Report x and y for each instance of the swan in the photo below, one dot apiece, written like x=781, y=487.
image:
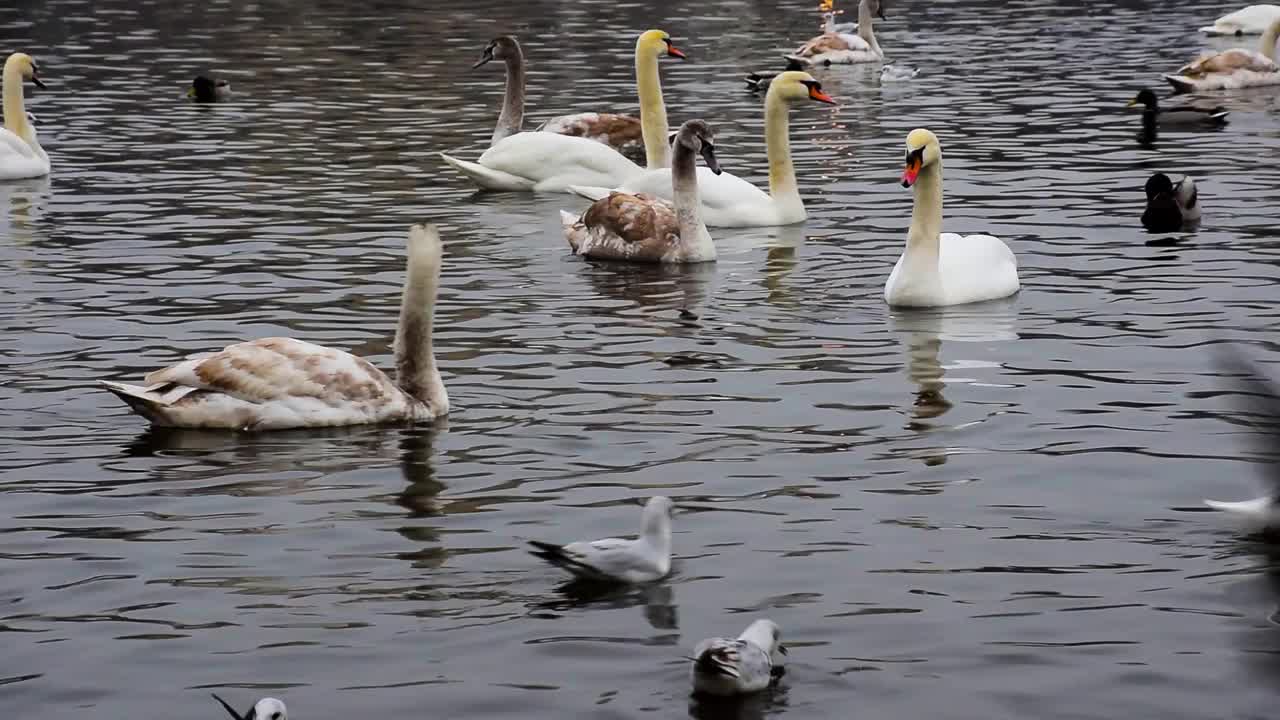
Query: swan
x=730, y=201
x=646, y=228
x=1170, y=205
x=278, y=383
x=837, y=48
x=1232, y=69
x=621, y=132
x=1251, y=20
x=1153, y=115
x=614, y=560
x=205, y=89
x=548, y=162
x=267, y=708
x=20, y=153
x=741, y=665
x=939, y=268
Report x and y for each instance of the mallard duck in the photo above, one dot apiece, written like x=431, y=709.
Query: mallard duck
x=1184, y=116
x=206, y=90
x=759, y=81
x=1170, y=205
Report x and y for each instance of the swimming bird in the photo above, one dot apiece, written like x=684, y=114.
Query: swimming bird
x=644, y=559
x=758, y=81
x=1251, y=20
x=279, y=382
x=206, y=90
x=20, y=153
x=1232, y=69
x=736, y=666
x=265, y=709
x=839, y=48
x=1262, y=410
x=646, y=228
x=1170, y=205
x=1153, y=115
x=938, y=268
x=897, y=73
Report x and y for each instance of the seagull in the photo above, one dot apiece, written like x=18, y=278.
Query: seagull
x=645, y=559
x=1263, y=408
x=897, y=73
x=265, y=709
x=725, y=666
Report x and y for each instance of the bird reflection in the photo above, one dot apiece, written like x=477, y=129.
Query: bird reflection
x=781, y=260
x=421, y=488
x=746, y=707
x=656, y=599
x=22, y=204
x=682, y=288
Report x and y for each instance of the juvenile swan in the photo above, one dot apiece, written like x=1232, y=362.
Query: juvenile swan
x=278, y=383
x=1232, y=69
x=20, y=153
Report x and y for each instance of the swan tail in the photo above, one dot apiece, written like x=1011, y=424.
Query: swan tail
x=1180, y=84
x=488, y=178
x=145, y=401
x=574, y=231
x=589, y=192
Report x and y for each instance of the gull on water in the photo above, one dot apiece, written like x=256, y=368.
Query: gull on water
x=1262, y=406
x=747, y=664
x=897, y=73
x=645, y=559
x=265, y=709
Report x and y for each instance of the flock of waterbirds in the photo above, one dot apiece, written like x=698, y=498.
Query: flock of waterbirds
x=655, y=213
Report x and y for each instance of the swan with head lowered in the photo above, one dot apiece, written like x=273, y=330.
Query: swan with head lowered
x=646, y=228
x=279, y=383
x=623, y=133
x=727, y=200
x=20, y=153
x=843, y=48
x=940, y=268
x=551, y=161
x=1232, y=69
x=1250, y=20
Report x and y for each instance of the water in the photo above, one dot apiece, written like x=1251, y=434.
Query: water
x=963, y=514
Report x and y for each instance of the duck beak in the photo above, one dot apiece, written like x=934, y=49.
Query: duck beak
x=912, y=170
x=1131, y=103
x=191, y=93
x=815, y=93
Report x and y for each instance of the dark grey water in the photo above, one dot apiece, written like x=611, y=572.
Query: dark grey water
x=961, y=514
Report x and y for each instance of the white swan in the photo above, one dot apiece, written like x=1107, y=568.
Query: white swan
x=646, y=228
x=944, y=268
x=20, y=153
x=1251, y=20
x=736, y=666
x=1232, y=69
x=729, y=201
x=645, y=559
x=279, y=382
x=548, y=162
x=839, y=48
x=267, y=708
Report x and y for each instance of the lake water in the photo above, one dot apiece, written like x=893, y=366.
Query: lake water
x=973, y=513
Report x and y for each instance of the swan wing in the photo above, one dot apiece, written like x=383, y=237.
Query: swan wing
x=1228, y=61
x=13, y=145
x=553, y=162
x=974, y=268
x=616, y=131
x=19, y=159
x=726, y=200
x=626, y=226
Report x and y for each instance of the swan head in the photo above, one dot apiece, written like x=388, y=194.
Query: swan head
x=658, y=512
x=795, y=85
x=25, y=66
x=658, y=43
x=700, y=138
x=1146, y=98
x=206, y=89
x=503, y=47
x=923, y=150
x=876, y=7
x=265, y=709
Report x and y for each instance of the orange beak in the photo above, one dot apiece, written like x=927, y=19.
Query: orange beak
x=911, y=171
x=816, y=94
x=674, y=51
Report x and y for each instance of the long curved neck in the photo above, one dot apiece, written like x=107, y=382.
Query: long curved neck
x=865, y=26
x=511, y=119
x=777, y=139
x=684, y=188
x=1267, y=45
x=416, y=371
x=926, y=214
x=653, y=111
x=15, y=113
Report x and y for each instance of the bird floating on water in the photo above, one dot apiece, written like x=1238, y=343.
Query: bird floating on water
x=644, y=559
x=1170, y=206
x=1262, y=406
x=1184, y=116
x=897, y=73
x=737, y=666
x=1251, y=20
x=267, y=708
x=205, y=89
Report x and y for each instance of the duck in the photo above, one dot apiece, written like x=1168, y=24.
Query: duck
x=1250, y=20
x=20, y=153
x=936, y=268
x=838, y=48
x=1261, y=409
x=1232, y=69
x=729, y=201
x=1185, y=116
x=1170, y=205
x=551, y=162
x=640, y=227
x=281, y=383
x=897, y=73
x=205, y=89
x=759, y=81
x=268, y=708
x=739, y=666
x=615, y=560
x=621, y=132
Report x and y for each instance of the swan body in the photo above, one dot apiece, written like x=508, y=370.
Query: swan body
x=267, y=708
x=620, y=132
x=937, y=268
x=279, y=383
x=20, y=153
x=729, y=201
x=1251, y=20
x=644, y=559
x=1170, y=205
x=1232, y=69
x=741, y=665
x=841, y=48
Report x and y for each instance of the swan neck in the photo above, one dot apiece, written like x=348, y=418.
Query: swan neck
x=653, y=111
x=926, y=212
x=865, y=24
x=15, y=112
x=684, y=192
x=1268, y=43
x=511, y=119
x=416, y=371
x=777, y=138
